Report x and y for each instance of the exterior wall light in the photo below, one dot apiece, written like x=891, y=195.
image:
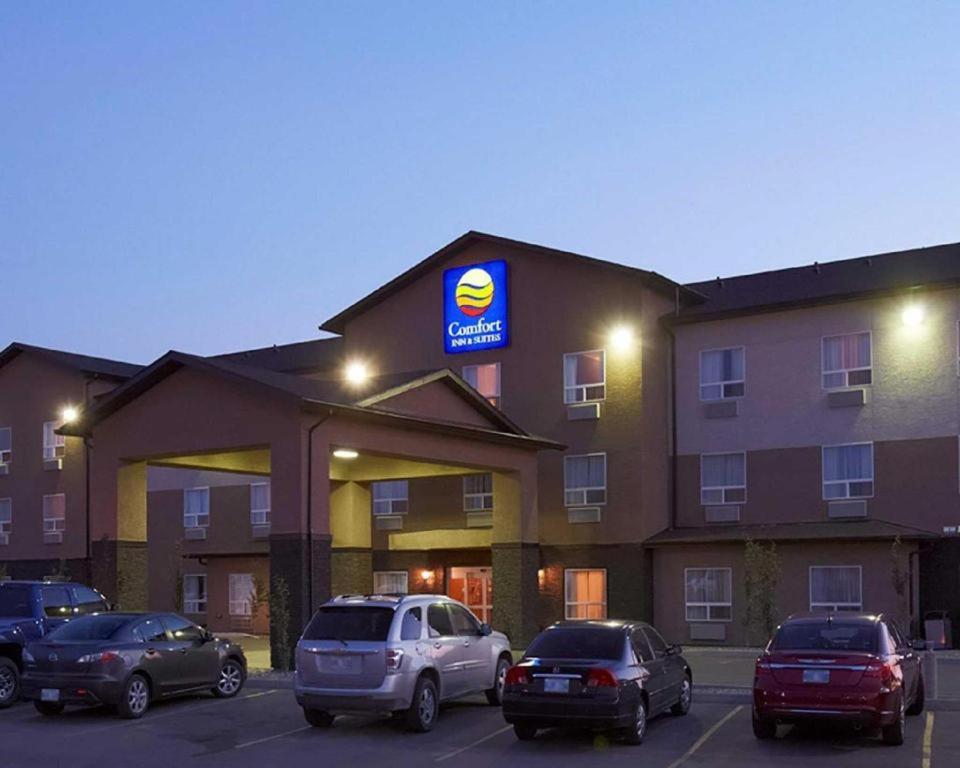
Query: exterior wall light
x=356, y=373
x=345, y=453
x=913, y=315
x=621, y=338
x=541, y=578
x=426, y=575
x=69, y=414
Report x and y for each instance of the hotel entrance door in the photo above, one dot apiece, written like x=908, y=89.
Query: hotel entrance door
x=474, y=588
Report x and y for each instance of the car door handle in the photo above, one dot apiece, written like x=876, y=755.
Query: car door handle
x=183, y=650
x=466, y=643
x=438, y=646
x=151, y=652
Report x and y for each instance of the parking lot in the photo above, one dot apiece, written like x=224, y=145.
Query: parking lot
x=264, y=727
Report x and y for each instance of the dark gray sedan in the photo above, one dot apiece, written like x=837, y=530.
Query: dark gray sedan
x=601, y=675
x=127, y=660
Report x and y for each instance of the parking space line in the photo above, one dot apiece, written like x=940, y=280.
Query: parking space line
x=703, y=739
x=473, y=744
x=272, y=738
x=927, y=741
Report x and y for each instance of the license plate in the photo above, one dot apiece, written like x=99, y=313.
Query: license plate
x=49, y=694
x=820, y=676
x=553, y=685
x=340, y=665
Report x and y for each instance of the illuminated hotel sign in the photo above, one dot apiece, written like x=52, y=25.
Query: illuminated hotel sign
x=475, y=307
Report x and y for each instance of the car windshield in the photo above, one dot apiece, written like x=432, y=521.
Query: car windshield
x=826, y=636
x=354, y=622
x=90, y=628
x=15, y=601
x=577, y=643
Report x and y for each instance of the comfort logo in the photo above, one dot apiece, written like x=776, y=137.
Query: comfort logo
x=474, y=292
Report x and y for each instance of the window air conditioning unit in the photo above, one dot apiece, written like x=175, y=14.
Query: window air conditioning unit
x=583, y=515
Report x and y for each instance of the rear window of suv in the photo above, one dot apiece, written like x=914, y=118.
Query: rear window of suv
x=826, y=636
x=577, y=643
x=15, y=601
x=356, y=622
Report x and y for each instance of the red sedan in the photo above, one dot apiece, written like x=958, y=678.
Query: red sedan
x=838, y=666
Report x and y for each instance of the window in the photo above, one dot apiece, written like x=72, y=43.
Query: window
x=88, y=601
x=6, y=445
x=847, y=361
x=54, y=445
x=584, y=377
x=195, y=593
x=485, y=379
x=182, y=630
x=347, y=623
x=150, y=631
x=708, y=594
x=390, y=497
x=6, y=520
x=56, y=602
x=55, y=513
x=464, y=623
x=640, y=646
x=196, y=507
x=585, y=479
x=836, y=588
x=438, y=620
x=478, y=493
x=586, y=593
x=412, y=625
x=657, y=643
x=241, y=594
x=848, y=471
x=722, y=374
x=390, y=582
x=723, y=478
x=260, y=504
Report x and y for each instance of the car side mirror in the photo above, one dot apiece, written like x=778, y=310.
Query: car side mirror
x=918, y=645
x=674, y=650
x=113, y=606
x=485, y=629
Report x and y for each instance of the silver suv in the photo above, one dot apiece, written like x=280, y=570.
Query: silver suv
x=397, y=654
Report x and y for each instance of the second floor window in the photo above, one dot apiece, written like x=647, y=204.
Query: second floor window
x=722, y=374
x=848, y=471
x=585, y=479
x=485, y=379
x=847, y=361
x=196, y=507
x=6, y=520
x=54, y=445
x=54, y=513
x=6, y=445
x=390, y=497
x=260, y=504
x=723, y=478
x=478, y=493
x=195, y=593
x=584, y=377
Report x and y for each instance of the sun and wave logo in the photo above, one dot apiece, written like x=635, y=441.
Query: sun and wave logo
x=474, y=292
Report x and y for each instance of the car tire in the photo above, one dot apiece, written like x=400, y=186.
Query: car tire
x=230, y=681
x=525, y=732
x=634, y=734
x=764, y=729
x=893, y=734
x=425, y=706
x=135, y=698
x=9, y=682
x=495, y=694
x=917, y=707
x=686, y=697
x=48, y=708
x=318, y=718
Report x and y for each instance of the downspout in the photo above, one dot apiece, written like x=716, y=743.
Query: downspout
x=310, y=510
x=674, y=458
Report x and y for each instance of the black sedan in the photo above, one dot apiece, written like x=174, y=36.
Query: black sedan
x=127, y=660
x=601, y=675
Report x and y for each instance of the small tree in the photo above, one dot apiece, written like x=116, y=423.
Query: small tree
x=62, y=573
x=259, y=596
x=178, y=591
x=762, y=576
x=899, y=577
x=4, y=574
x=280, y=623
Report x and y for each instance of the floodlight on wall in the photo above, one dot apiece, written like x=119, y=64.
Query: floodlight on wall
x=69, y=414
x=913, y=315
x=621, y=338
x=356, y=372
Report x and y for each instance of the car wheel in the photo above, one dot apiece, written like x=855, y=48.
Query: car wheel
x=525, y=732
x=9, y=682
x=230, y=681
x=917, y=707
x=635, y=733
x=48, y=708
x=135, y=698
x=318, y=718
x=495, y=694
x=686, y=697
x=893, y=734
x=764, y=729
x=425, y=707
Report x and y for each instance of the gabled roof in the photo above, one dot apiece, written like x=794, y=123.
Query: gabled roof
x=95, y=366
x=337, y=323
x=846, y=280
x=299, y=357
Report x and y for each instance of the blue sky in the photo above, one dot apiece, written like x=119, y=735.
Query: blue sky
x=213, y=176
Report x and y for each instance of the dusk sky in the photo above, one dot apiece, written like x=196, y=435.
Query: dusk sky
x=214, y=176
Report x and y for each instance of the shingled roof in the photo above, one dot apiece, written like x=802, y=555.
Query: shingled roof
x=302, y=357
x=95, y=366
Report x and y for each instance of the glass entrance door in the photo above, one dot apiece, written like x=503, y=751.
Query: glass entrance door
x=474, y=588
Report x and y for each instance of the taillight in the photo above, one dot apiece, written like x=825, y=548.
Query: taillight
x=104, y=657
x=517, y=676
x=394, y=659
x=601, y=678
x=762, y=668
x=886, y=671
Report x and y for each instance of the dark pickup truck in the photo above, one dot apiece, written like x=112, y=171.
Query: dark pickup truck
x=30, y=609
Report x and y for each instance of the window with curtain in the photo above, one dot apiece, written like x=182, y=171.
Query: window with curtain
x=585, y=593
x=390, y=582
x=584, y=377
x=485, y=379
x=390, y=497
x=836, y=588
x=241, y=594
x=196, y=507
x=478, y=493
x=54, y=513
x=847, y=361
x=6, y=520
x=54, y=445
x=709, y=594
x=585, y=479
x=194, y=593
x=6, y=445
x=848, y=471
x=260, y=504
x=722, y=374
x=723, y=478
